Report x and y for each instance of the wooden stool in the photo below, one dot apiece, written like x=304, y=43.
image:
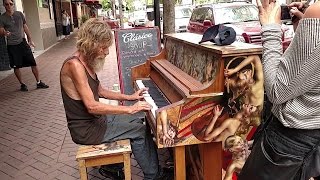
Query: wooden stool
x=103, y=154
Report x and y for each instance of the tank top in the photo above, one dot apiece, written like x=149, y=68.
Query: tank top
x=85, y=128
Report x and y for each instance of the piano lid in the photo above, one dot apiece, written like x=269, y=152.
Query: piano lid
x=229, y=50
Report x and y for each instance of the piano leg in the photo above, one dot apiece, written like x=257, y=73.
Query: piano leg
x=212, y=160
x=179, y=163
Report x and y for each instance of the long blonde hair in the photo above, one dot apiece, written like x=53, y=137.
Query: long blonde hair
x=91, y=35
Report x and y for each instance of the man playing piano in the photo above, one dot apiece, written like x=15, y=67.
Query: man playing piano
x=91, y=122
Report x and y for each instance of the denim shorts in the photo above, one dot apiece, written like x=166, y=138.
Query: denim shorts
x=283, y=153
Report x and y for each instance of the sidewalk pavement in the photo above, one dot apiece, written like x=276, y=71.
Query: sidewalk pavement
x=34, y=139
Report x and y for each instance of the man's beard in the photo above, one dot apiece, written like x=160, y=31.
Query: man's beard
x=97, y=63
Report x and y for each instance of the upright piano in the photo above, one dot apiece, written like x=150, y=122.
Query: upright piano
x=186, y=80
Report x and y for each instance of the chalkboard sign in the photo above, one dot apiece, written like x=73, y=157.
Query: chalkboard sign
x=134, y=46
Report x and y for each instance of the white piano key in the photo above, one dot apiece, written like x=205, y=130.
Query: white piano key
x=153, y=110
x=140, y=84
x=148, y=98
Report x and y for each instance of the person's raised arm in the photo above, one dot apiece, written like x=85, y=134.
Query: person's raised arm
x=313, y=11
x=217, y=112
x=250, y=59
x=286, y=77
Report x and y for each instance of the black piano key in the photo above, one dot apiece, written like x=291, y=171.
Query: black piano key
x=157, y=96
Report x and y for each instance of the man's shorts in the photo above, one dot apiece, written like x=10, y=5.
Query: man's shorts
x=21, y=55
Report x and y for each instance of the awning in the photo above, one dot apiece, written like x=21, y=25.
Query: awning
x=93, y=3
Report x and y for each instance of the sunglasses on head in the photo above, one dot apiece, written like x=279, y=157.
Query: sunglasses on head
x=7, y=4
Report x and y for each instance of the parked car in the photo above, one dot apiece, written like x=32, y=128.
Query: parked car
x=182, y=16
x=139, y=18
x=241, y=16
x=113, y=23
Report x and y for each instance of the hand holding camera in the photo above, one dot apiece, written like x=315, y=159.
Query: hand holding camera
x=269, y=11
x=295, y=10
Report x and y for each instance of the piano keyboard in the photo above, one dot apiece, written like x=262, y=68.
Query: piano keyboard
x=154, y=96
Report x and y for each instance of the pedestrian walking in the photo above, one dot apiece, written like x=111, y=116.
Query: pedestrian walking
x=13, y=26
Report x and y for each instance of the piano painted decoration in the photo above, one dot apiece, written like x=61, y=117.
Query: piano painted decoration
x=244, y=83
x=192, y=109
x=134, y=46
x=239, y=148
x=187, y=122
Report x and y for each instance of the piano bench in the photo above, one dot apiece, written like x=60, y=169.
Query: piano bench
x=104, y=154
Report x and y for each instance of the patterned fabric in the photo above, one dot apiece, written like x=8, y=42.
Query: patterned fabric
x=292, y=79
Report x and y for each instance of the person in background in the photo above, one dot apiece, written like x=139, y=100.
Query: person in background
x=13, y=26
x=65, y=24
x=91, y=122
x=289, y=146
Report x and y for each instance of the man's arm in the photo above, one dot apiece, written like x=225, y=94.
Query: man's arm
x=26, y=30
x=80, y=81
x=113, y=95
x=118, y=96
x=3, y=31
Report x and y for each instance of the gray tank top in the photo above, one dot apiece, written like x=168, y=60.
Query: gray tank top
x=85, y=128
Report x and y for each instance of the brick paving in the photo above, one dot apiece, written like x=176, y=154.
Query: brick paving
x=34, y=140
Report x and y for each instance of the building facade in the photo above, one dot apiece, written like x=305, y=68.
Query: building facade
x=44, y=20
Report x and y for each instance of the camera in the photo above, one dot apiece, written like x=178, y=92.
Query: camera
x=285, y=12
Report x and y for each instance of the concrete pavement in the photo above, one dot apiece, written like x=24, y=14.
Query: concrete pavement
x=34, y=139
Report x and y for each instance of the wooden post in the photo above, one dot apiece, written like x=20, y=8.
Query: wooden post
x=127, y=166
x=211, y=156
x=83, y=170
x=179, y=163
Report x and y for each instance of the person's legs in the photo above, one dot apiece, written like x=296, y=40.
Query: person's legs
x=35, y=72
x=29, y=60
x=143, y=147
x=281, y=154
x=16, y=58
x=17, y=72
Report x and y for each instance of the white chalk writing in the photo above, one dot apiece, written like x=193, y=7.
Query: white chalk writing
x=129, y=37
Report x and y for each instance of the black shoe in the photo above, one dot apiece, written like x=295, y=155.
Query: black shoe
x=42, y=85
x=23, y=87
x=112, y=173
